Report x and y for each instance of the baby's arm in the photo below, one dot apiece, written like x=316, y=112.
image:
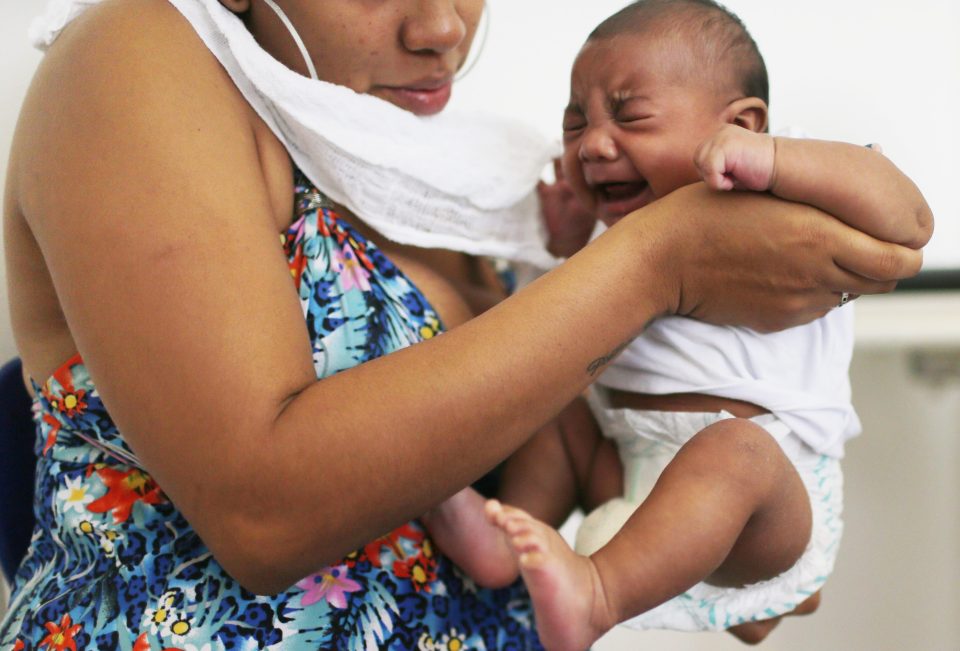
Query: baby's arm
x=857, y=184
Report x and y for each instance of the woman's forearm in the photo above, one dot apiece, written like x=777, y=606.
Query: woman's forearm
x=361, y=452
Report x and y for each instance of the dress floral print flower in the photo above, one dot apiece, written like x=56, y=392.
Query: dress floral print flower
x=114, y=565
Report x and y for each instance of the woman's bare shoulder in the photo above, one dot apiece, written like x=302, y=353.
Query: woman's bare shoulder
x=140, y=44
x=130, y=124
x=130, y=78
x=140, y=30
x=134, y=59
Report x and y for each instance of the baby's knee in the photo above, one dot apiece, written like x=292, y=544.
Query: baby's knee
x=740, y=432
x=744, y=453
x=738, y=440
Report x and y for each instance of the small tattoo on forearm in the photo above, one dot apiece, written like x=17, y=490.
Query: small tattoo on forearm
x=597, y=364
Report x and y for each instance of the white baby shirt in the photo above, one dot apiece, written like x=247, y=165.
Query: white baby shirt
x=799, y=374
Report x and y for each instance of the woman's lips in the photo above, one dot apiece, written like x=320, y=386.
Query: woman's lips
x=421, y=99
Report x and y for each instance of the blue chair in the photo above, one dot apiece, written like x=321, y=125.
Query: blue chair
x=17, y=468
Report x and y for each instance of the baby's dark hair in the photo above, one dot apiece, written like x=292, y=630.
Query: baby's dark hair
x=720, y=35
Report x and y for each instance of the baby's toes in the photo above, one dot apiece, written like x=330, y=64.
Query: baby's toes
x=534, y=561
x=513, y=513
x=526, y=542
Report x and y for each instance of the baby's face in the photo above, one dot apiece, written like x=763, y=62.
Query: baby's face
x=634, y=122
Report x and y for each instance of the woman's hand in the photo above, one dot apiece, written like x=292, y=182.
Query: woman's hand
x=749, y=259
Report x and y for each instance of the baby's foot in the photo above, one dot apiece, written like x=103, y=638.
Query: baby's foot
x=568, y=596
x=462, y=531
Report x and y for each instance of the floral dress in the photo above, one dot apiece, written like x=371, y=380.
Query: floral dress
x=114, y=565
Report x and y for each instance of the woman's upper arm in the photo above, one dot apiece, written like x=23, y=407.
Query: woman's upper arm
x=140, y=178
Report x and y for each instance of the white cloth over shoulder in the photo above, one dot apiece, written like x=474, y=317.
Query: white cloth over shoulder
x=457, y=181
x=799, y=374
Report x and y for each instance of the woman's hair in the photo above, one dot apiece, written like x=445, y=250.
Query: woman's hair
x=719, y=37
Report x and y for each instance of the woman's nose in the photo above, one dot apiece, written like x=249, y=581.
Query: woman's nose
x=433, y=25
x=597, y=144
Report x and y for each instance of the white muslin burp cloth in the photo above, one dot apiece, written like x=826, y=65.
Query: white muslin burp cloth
x=457, y=180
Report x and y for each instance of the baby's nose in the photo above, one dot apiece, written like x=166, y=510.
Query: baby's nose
x=598, y=144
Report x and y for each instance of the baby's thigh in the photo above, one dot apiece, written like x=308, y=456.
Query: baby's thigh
x=605, y=478
x=776, y=503
x=592, y=456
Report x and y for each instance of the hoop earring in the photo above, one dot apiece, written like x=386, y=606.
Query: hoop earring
x=296, y=37
x=477, y=50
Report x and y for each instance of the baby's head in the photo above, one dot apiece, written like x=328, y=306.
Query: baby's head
x=651, y=83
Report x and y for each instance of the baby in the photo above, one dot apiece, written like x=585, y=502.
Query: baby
x=719, y=466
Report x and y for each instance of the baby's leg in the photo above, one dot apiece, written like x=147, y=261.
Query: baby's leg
x=757, y=632
x=543, y=477
x=729, y=509
x=460, y=530
x=569, y=463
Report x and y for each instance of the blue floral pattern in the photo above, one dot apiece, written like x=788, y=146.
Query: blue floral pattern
x=114, y=565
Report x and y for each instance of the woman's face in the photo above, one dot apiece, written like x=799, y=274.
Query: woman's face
x=403, y=51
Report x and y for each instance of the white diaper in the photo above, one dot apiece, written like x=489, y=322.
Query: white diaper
x=647, y=441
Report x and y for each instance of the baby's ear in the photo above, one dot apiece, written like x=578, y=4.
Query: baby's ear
x=749, y=113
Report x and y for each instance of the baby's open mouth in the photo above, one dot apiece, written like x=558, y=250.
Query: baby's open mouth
x=621, y=191
x=616, y=199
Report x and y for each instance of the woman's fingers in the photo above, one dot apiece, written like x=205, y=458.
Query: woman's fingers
x=864, y=265
x=877, y=261
x=872, y=265
x=749, y=259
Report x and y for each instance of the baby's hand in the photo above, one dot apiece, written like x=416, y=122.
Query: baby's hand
x=735, y=158
x=569, y=224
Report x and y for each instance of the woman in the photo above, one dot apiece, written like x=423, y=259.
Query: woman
x=141, y=216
